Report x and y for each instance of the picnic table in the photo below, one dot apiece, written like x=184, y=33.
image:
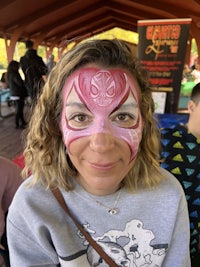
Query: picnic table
x=4, y=94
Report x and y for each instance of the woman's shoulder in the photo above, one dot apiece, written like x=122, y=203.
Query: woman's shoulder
x=31, y=201
x=28, y=186
x=28, y=194
x=170, y=184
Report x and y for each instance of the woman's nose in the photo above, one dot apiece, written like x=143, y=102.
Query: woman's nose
x=101, y=142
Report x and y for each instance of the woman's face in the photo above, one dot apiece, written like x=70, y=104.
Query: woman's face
x=101, y=125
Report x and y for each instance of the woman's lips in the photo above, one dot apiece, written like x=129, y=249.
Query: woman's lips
x=103, y=166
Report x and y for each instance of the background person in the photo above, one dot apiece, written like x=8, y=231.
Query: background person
x=4, y=81
x=93, y=135
x=10, y=179
x=50, y=63
x=180, y=151
x=34, y=69
x=18, y=93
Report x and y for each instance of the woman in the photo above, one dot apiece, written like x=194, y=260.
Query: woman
x=93, y=136
x=18, y=93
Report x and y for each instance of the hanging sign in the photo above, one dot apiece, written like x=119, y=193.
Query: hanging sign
x=161, y=50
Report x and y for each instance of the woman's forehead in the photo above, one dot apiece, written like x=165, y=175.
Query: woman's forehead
x=101, y=85
x=73, y=100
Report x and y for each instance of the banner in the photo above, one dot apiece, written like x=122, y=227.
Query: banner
x=161, y=50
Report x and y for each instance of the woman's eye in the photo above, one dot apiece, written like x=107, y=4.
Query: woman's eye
x=79, y=118
x=123, y=117
x=79, y=121
x=124, y=120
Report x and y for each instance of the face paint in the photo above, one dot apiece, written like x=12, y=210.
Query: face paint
x=101, y=101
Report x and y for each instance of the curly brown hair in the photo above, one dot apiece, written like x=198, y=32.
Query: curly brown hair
x=45, y=152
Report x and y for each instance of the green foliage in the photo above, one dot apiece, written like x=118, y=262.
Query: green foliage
x=194, y=50
x=20, y=49
x=3, y=55
x=131, y=37
x=20, y=46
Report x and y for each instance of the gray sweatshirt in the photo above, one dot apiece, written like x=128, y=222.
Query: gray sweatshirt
x=150, y=229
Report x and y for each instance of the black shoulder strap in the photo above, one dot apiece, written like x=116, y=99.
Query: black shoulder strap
x=56, y=192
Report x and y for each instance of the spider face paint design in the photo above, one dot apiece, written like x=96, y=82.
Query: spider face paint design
x=101, y=101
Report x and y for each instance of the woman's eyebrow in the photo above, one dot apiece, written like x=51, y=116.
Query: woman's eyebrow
x=76, y=104
x=81, y=106
x=128, y=106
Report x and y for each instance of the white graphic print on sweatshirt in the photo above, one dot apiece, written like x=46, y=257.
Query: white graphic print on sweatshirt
x=130, y=247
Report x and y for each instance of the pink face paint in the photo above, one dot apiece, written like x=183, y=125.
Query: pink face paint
x=101, y=92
